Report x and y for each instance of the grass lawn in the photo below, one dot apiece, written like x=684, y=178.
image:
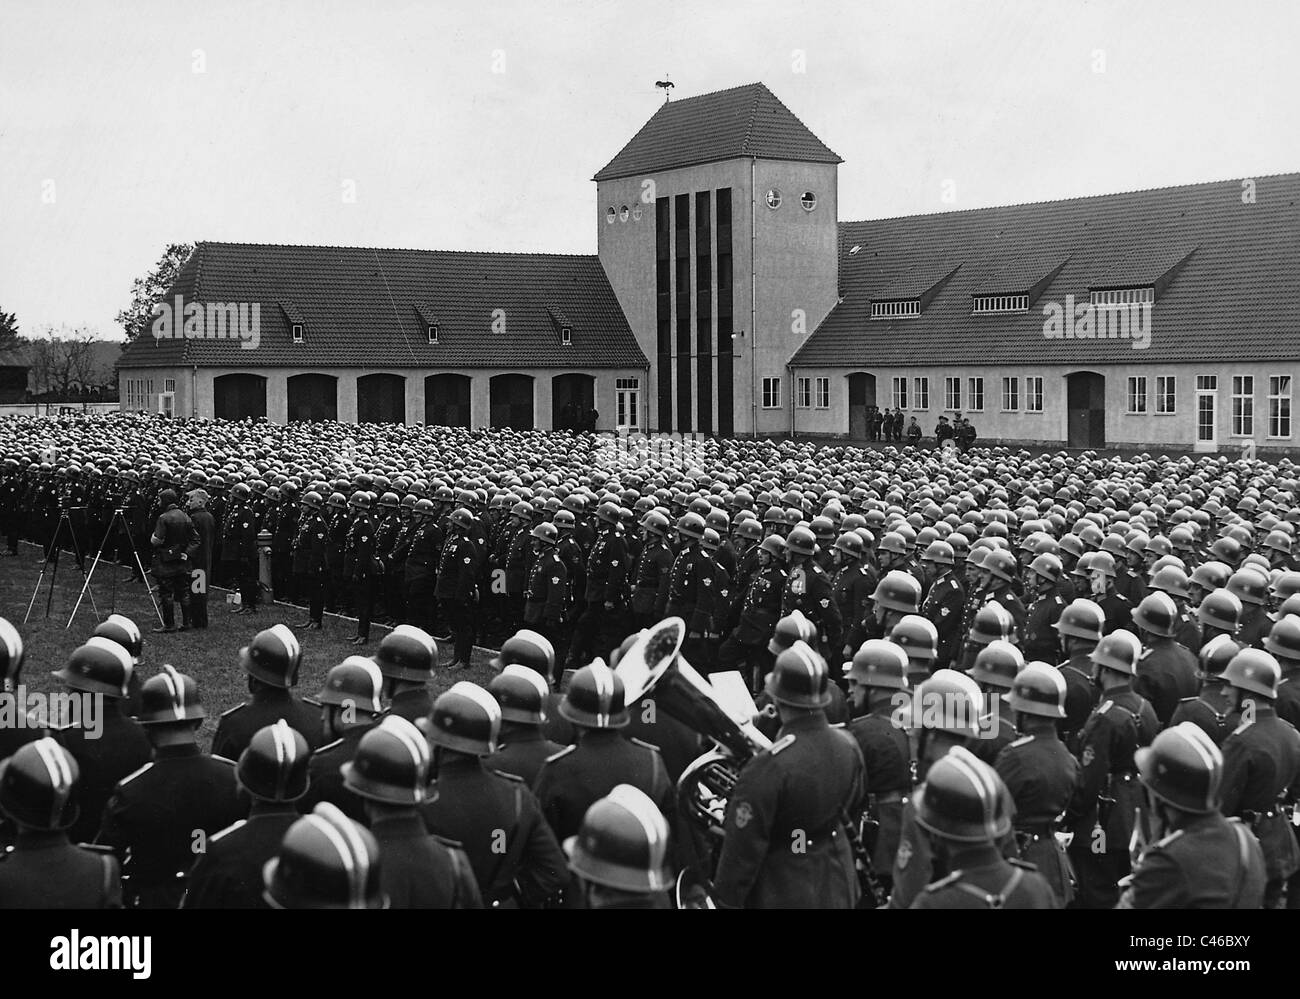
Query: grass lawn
x=210, y=656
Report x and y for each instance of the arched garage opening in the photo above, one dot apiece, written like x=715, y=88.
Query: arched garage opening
x=239, y=396
x=446, y=401
x=313, y=397
x=862, y=395
x=1085, y=393
x=510, y=401
x=573, y=397
x=381, y=398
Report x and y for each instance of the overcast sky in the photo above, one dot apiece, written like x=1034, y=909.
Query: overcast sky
x=478, y=125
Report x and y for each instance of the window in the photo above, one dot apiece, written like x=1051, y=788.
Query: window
x=1137, y=394
x=773, y=198
x=296, y=331
x=900, y=393
x=906, y=309
x=921, y=393
x=169, y=384
x=952, y=393
x=566, y=336
x=1243, y=405
x=1123, y=296
x=772, y=393
x=627, y=393
x=1010, y=395
x=138, y=393
x=433, y=334
x=823, y=397
x=975, y=395
x=1165, y=394
x=1207, y=383
x=808, y=200
x=803, y=393
x=1279, y=405
x=1034, y=394
x=1000, y=303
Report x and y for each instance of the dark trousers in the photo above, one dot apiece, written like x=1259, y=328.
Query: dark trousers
x=337, y=596
x=417, y=595
x=394, y=604
x=1098, y=874
x=311, y=587
x=459, y=616
x=749, y=659
x=249, y=586
x=363, y=601
x=173, y=588
x=282, y=577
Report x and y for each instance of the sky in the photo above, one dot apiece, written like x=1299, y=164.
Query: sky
x=444, y=124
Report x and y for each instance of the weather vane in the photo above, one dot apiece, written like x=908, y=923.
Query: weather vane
x=666, y=85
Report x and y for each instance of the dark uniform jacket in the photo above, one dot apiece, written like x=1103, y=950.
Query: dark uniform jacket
x=808, y=589
x=205, y=528
x=456, y=569
x=887, y=756
x=239, y=724
x=1206, y=710
x=422, y=556
x=175, y=541
x=1123, y=722
x=1081, y=697
x=522, y=751
x=943, y=606
x=497, y=822
x=327, y=781
x=1166, y=673
x=1210, y=863
x=607, y=568
x=987, y=880
x=761, y=608
x=1261, y=763
x=689, y=567
x=785, y=844
x=228, y=874
x=420, y=871
x=45, y=871
x=713, y=600
x=121, y=749
x=652, y=572
x=359, y=550
x=851, y=588
x=413, y=703
x=155, y=812
x=1039, y=642
x=577, y=777
x=311, y=545
x=1041, y=774
x=548, y=589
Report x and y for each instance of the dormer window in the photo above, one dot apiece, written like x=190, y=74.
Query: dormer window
x=433, y=333
x=985, y=304
x=905, y=309
x=296, y=332
x=1115, y=297
x=566, y=336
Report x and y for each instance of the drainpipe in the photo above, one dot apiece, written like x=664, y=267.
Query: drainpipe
x=789, y=377
x=753, y=284
x=194, y=392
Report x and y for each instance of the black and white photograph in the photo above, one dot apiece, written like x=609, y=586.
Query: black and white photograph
x=573, y=455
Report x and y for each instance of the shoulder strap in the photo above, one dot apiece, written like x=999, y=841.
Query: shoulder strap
x=999, y=900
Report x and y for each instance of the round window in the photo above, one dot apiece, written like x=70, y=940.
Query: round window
x=636, y=214
x=774, y=198
x=809, y=201
x=622, y=214
x=609, y=214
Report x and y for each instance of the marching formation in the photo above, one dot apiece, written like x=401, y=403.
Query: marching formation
x=737, y=674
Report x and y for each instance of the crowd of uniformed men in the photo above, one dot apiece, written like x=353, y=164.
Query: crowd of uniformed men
x=991, y=679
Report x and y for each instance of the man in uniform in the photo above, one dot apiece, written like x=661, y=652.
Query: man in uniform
x=339, y=599
x=239, y=548
x=1040, y=773
x=852, y=584
x=808, y=589
x=963, y=808
x=455, y=588
x=547, y=590
x=944, y=600
x=418, y=582
x=1261, y=763
x=1039, y=641
x=327, y=861
x=1197, y=859
x=43, y=870
x=175, y=542
x=522, y=746
x=359, y=564
x=600, y=625
x=1079, y=628
x=1166, y=670
x=406, y=658
x=760, y=609
x=272, y=772
x=205, y=527
x=620, y=854
x=350, y=706
x=271, y=661
x=651, y=571
x=785, y=839
x=156, y=815
x=493, y=816
x=994, y=670
x=309, y=559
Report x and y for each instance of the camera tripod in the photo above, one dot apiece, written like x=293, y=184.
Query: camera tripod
x=118, y=520
x=52, y=556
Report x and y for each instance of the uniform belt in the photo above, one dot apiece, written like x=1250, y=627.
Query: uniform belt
x=1038, y=830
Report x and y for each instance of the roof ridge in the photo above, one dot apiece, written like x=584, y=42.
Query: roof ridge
x=747, y=145
x=402, y=249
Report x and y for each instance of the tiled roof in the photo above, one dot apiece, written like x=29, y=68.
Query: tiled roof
x=727, y=124
x=361, y=307
x=1236, y=296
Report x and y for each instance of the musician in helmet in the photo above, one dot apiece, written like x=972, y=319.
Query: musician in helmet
x=271, y=661
x=620, y=853
x=522, y=746
x=785, y=843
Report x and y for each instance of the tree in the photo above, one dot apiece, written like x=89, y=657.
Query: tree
x=9, y=337
x=145, y=291
x=63, y=362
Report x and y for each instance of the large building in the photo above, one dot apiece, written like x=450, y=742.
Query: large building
x=727, y=298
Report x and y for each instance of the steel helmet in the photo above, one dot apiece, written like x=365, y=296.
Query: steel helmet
x=526, y=648
x=594, y=698
x=893, y=542
x=170, y=697
x=997, y=664
x=1183, y=768
x=1254, y=671
x=774, y=545
x=1250, y=587
x=547, y=534
x=1216, y=654
x=939, y=552
x=948, y=701
x=794, y=627
x=353, y=684
x=326, y=861
x=1157, y=614
x=899, y=591
x=916, y=636
x=312, y=500
x=1283, y=640
x=337, y=501
x=879, y=663
x=963, y=799
x=521, y=693
x=1220, y=609
x=850, y=544
x=1048, y=566
x=273, y=656
x=1211, y=575
x=691, y=525
x=407, y=653
x=656, y=523
x=992, y=622
x=622, y=843
x=461, y=519
x=800, y=541
x=391, y=764
x=608, y=513
x=11, y=655
x=1082, y=618
x=121, y=629
x=465, y=718
x=274, y=765
x=1118, y=651
x=38, y=786
x=800, y=678
x=360, y=500
x=748, y=528
x=1039, y=689
x=1284, y=584
x=423, y=508
x=1171, y=580
x=101, y=666
x=1226, y=550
